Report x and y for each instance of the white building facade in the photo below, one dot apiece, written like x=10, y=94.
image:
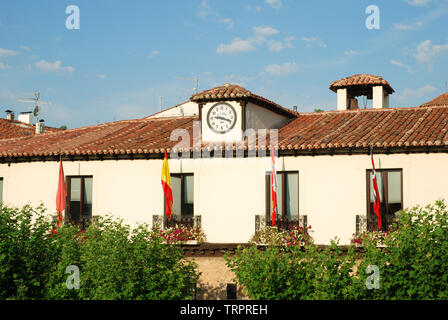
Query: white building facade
x=323, y=164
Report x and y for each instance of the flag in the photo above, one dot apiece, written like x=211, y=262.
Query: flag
x=273, y=187
x=60, y=195
x=376, y=195
x=166, y=185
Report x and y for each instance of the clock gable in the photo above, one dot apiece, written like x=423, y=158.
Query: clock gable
x=251, y=111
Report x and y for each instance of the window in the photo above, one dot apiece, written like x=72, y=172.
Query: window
x=183, y=196
x=390, y=188
x=287, y=196
x=79, y=199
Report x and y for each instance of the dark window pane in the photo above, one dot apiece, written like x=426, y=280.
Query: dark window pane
x=87, y=198
x=176, y=189
x=292, y=196
x=188, y=195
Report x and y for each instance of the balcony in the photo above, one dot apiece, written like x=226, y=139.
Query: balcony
x=282, y=223
x=185, y=221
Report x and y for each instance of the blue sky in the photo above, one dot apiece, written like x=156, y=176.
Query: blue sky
x=127, y=54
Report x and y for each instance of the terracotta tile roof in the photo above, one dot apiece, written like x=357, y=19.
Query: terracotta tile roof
x=391, y=127
x=121, y=137
x=322, y=131
x=236, y=92
x=13, y=129
x=441, y=100
x=360, y=80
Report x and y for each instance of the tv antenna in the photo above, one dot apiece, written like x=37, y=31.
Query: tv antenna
x=36, y=100
x=195, y=89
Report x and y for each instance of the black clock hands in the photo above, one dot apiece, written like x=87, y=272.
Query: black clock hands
x=222, y=118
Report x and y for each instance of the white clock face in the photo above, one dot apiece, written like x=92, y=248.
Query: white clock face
x=221, y=117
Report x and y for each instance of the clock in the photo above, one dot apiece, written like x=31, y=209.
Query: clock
x=221, y=117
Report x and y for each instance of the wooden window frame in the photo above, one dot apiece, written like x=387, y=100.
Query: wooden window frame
x=182, y=185
x=186, y=221
x=385, y=196
x=68, y=181
x=283, y=200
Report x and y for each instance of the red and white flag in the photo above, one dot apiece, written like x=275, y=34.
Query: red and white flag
x=60, y=196
x=376, y=195
x=273, y=187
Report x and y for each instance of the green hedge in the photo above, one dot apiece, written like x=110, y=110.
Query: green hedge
x=114, y=261
x=412, y=264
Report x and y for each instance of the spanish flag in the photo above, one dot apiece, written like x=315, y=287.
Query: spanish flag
x=166, y=185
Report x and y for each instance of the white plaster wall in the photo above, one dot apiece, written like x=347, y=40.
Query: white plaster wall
x=342, y=99
x=230, y=192
x=378, y=97
x=188, y=108
x=261, y=118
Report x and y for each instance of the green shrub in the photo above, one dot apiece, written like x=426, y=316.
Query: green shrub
x=293, y=272
x=413, y=264
x=114, y=261
x=26, y=252
x=411, y=260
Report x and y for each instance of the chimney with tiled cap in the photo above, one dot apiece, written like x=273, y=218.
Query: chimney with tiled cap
x=374, y=87
x=10, y=115
x=40, y=126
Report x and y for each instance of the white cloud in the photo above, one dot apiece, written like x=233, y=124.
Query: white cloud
x=277, y=46
x=401, y=65
x=261, y=32
x=226, y=21
x=46, y=66
x=265, y=30
x=280, y=70
x=259, y=37
x=101, y=76
x=237, y=45
x=426, y=52
x=2, y=66
x=25, y=48
x=418, y=3
x=350, y=52
x=311, y=41
x=399, y=26
x=237, y=79
x=253, y=8
x=409, y=94
x=276, y=4
x=6, y=53
x=153, y=54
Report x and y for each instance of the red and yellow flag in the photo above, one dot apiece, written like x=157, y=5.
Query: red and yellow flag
x=166, y=185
